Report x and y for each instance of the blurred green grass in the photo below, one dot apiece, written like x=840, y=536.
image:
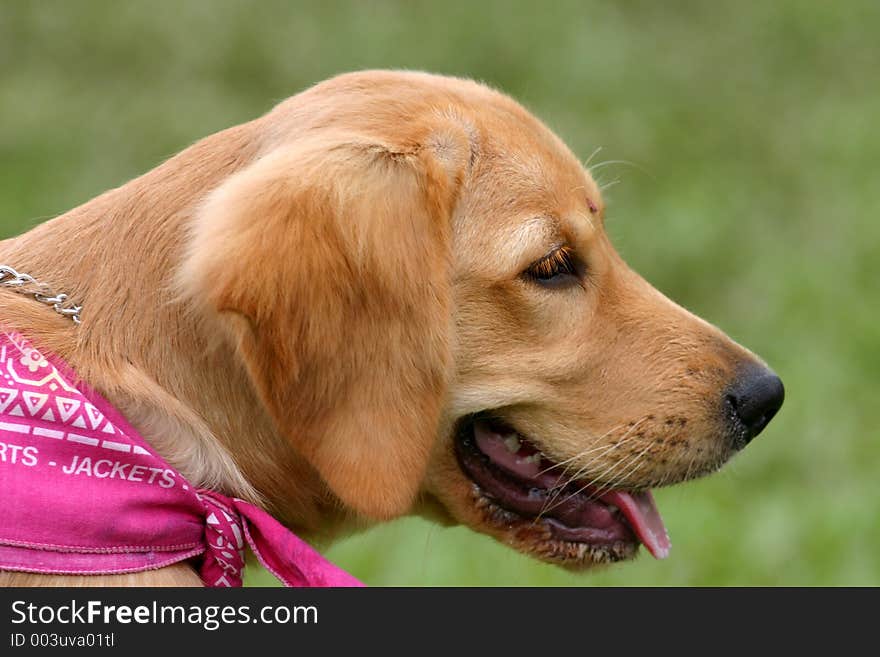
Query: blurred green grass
x=752, y=129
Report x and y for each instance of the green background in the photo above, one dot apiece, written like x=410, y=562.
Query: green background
x=751, y=198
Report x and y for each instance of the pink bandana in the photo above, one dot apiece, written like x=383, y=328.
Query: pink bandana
x=84, y=494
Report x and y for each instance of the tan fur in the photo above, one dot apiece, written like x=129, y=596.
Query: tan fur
x=298, y=310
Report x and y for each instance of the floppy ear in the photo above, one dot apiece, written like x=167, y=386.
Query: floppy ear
x=328, y=260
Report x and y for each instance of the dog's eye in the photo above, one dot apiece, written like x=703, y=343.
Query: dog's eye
x=556, y=269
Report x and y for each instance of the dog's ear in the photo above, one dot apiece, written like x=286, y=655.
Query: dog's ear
x=329, y=263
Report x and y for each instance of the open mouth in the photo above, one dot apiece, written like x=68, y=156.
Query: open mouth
x=516, y=476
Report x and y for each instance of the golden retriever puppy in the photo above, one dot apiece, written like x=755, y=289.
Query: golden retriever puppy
x=392, y=294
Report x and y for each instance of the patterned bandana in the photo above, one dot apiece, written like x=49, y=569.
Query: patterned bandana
x=84, y=494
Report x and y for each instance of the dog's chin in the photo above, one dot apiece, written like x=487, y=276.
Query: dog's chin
x=516, y=495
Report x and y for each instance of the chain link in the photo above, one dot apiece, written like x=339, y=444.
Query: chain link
x=28, y=285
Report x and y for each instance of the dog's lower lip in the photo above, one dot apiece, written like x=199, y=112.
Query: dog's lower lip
x=510, y=470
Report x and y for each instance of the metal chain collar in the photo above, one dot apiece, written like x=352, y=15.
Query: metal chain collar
x=28, y=285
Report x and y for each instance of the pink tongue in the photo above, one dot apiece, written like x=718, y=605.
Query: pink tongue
x=643, y=516
x=638, y=508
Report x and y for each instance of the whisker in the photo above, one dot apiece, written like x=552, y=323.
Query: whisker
x=610, y=184
x=595, y=495
x=628, y=437
x=557, y=490
x=586, y=217
x=584, y=453
x=687, y=474
x=592, y=155
x=560, y=485
x=637, y=167
x=640, y=461
x=625, y=440
x=602, y=489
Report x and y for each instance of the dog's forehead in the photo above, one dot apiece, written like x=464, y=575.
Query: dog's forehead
x=528, y=193
x=526, y=168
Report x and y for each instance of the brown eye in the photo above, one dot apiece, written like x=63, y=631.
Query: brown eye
x=557, y=268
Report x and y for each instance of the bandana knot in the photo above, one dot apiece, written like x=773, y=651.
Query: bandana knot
x=223, y=563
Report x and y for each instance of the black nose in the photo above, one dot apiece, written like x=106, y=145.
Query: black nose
x=754, y=398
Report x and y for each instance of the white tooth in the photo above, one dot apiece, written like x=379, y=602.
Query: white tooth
x=512, y=443
x=534, y=458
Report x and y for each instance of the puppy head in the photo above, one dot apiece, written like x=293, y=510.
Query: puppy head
x=578, y=387
x=418, y=280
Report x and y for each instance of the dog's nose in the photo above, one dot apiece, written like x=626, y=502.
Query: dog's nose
x=755, y=397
